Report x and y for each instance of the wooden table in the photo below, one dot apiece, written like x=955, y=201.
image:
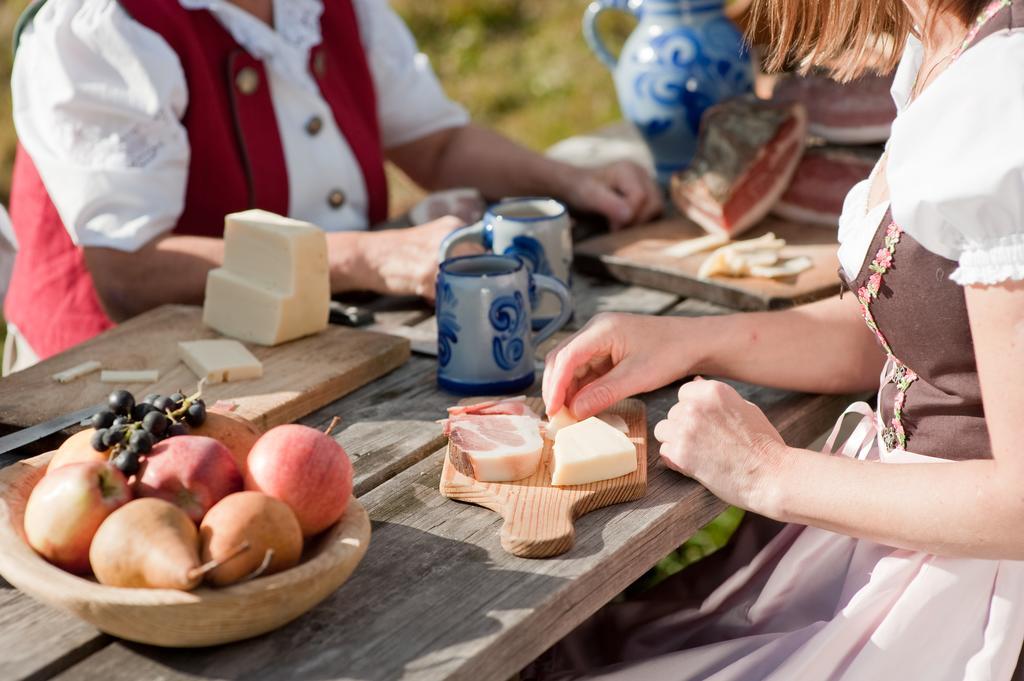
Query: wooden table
x=436, y=597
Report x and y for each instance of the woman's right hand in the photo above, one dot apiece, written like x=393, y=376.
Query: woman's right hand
x=614, y=356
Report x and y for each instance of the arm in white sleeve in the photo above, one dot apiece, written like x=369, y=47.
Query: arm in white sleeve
x=956, y=163
x=411, y=103
x=98, y=100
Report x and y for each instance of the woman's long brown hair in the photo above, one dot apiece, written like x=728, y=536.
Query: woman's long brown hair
x=848, y=37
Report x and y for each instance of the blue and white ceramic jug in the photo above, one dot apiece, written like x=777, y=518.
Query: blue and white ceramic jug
x=683, y=57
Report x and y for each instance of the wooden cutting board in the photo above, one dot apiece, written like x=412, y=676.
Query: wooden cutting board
x=539, y=518
x=638, y=256
x=298, y=377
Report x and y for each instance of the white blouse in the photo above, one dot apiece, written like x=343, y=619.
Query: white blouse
x=98, y=102
x=955, y=165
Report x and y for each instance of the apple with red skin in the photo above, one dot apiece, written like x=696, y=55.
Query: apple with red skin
x=305, y=469
x=66, y=508
x=190, y=471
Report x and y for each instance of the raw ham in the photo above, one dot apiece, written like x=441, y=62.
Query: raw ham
x=746, y=155
x=822, y=180
x=858, y=112
x=512, y=406
x=495, y=447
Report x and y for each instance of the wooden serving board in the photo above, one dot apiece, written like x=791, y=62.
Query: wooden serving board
x=298, y=377
x=637, y=256
x=539, y=517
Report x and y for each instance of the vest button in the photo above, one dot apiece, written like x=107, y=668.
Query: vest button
x=247, y=80
x=336, y=199
x=314, y=125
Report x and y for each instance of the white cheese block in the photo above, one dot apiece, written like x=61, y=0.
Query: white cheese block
x=139, y=376
x=274, y=285
x=219, y=360
x=589, y=451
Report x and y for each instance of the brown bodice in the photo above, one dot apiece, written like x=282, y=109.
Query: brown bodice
x=923, y=316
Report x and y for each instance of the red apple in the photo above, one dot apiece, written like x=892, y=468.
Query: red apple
x=66, y=508
x=190, y=471
x=305, y=469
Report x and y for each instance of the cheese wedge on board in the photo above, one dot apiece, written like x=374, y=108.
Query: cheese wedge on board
x=274, y=285
x=219, y=360
x=589, y=451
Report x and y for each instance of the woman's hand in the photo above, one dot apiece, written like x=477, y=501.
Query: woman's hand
x=622, y=191
x=724, y=442
x=614, y=356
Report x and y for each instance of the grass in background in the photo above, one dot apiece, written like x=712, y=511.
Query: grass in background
x=518, y=66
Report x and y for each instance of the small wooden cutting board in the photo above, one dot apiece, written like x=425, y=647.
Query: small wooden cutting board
x=298, y=377
x=642, y=256
x=539, y=517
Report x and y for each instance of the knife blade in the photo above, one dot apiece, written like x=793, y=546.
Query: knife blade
x=27, y=436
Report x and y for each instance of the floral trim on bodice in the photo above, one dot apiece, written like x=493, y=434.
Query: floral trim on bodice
x=990, y=10
x=893, y=435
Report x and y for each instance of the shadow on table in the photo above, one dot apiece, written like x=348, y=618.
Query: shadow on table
x=411, y=606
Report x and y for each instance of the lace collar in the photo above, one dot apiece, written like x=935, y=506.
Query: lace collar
x=284, y=48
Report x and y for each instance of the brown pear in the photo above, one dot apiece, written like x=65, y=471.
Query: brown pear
x=236, y=433
x=147, y=543
x=76, y=449
x=267, y=526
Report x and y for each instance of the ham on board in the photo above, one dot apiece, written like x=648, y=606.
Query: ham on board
x=824, y=177
x=496, y=441
x=746, y=155
x=858, y=112
x=512, y=406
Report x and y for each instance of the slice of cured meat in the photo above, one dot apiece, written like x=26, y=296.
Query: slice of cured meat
x=511, y=406
x=858, y=112
x=822, y=180
x=495, y=447
x=746, y=155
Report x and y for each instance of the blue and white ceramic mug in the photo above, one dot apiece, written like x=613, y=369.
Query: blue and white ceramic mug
x=537, y=230
x=485, y=340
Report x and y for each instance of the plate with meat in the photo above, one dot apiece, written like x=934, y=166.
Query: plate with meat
x=542, y=476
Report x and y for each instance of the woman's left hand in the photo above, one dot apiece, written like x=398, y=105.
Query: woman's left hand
x=724, y=442
x=622, y=191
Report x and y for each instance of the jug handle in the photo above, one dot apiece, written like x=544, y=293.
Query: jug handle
x=590, y=32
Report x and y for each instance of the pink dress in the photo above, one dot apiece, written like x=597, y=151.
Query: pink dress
x=813, y=604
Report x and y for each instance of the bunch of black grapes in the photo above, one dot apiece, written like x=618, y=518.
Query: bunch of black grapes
x=130, y=430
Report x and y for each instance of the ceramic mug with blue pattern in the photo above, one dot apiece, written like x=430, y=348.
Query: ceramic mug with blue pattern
x=535, y=229
x=485, y=340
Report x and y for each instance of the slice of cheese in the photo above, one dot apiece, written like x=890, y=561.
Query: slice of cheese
x=139, y=376
x=560, y=420
x=219, y=360
x=77, y=371
x=589, y=451
x=274, y=285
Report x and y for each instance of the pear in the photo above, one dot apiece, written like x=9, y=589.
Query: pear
x=148, y=543
x=267, y=526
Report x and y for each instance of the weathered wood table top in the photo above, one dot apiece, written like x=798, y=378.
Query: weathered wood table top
x=435, y=597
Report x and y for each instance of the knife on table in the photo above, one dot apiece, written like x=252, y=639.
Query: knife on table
x=27, y=436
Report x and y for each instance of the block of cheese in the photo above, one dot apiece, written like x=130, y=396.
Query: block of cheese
x=589, y=451
x=219, y=360
x=274, y=285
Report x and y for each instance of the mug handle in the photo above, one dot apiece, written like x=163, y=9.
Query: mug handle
x=545, y=283
x=473, y=233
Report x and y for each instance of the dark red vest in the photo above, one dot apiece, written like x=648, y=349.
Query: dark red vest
x=237, y=161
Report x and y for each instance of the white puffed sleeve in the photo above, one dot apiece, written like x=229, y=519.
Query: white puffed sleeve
x=956, y=163
x=98, y=100
x=410, y=101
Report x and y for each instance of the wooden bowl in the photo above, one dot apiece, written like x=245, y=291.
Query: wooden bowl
x=166, y=617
